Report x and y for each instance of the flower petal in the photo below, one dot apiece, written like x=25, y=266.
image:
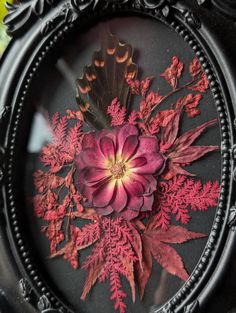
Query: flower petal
x=108, y=149
x=138, y=162
x=135, y=203
x=94, y=174
x=89, y=141
x=111, y=133
x=104, y=211
x=124, y=132
x=133, y=187
x=152, y=185
x=129, y=148
x=147, y=144
x=103, y=194
x=86, y=191
x=120, y=197
x=80, y=163
x=147, y=203
x=93, y=157
x=148, y=182
x=155, y=164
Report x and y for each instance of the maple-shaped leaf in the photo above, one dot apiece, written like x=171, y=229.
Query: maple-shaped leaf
x=179, y=151
x=156, y=244
x=180, y=195
x=173, y=72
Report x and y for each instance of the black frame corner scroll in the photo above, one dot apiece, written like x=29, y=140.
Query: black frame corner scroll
x=37, y=27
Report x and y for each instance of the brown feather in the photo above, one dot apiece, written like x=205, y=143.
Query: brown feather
x=106, y=79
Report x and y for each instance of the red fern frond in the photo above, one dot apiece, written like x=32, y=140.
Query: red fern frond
x=179, y=195
x=60, y=131
x=117, y=113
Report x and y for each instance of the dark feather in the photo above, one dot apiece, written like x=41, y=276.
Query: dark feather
x=104, y=80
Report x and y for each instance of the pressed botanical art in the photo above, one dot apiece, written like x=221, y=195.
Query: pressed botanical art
x=126, y=178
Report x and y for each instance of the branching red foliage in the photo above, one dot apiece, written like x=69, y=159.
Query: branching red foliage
x=179, y=151
x=179, y=195
x=57, y=191
x=113, y=256
x=117, y=113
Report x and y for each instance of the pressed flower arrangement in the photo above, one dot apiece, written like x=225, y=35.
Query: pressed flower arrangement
x=126, y=178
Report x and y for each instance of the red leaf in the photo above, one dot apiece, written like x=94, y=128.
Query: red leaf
x=169, y=259
x=181, y=150
x=144, y=272
x=170, y=132
x=174, y=72
x=188, y=138
x=166, y=256
x=191, y=154
x=92, y=276
x=173, y=169
x=129, y=274
x=176, y=235
x=55, y=120
x=165, y=117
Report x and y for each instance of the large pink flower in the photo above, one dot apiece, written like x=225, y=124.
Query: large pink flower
x=116, y=168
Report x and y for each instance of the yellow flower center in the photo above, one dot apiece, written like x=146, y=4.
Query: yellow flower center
x=118, y=170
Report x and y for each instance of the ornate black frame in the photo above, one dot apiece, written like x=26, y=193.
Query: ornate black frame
x=37, y=26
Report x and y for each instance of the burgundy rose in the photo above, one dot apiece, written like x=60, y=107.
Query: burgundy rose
x=116, y=168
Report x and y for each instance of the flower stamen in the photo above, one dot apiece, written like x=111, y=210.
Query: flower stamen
x=118, y=170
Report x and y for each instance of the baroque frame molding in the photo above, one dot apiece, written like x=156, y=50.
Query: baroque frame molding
x=53, y=22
